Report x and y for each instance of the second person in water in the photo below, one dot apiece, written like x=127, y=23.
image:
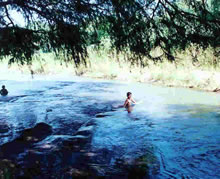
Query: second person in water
x=4, y=91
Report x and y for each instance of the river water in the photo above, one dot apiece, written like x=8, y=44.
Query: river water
x=172, y=133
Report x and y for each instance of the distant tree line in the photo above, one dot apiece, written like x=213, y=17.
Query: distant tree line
x=137, y=26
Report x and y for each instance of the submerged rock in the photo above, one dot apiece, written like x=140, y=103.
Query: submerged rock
x=52, y=143
x=4, y=128
x=101, y=115
x=74, y=172
x=77, y=143
x=7, y=169
x=85, y=131
x=26, y=139
x=38, y=133
x=49, y=110
x=140, y=167
x=98, y=170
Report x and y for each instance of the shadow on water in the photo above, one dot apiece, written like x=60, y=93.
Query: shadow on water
x=188, y=141
x=65, y=129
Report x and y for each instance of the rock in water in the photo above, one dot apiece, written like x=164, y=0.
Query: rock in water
x=27, y=138
x=7, y=169
x=38, y=133
x=4, y=128
x=49, y=110
x=100, y=115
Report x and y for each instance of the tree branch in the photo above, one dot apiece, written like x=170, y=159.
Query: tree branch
x=155, y=8
x=8, y=16
x=189, y=14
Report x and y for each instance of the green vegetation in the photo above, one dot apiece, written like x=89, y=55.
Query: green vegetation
x=200, y=72
x=171, y=42
x=134, y=27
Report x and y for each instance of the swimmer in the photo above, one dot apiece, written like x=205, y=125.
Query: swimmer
x=4, y=91
x=129, y=101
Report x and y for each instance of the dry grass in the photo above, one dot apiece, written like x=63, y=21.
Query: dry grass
x=202, y=72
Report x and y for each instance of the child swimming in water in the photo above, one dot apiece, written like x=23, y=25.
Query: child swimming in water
x=129, y=100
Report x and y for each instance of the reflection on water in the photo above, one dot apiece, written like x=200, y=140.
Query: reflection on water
x=174, y=133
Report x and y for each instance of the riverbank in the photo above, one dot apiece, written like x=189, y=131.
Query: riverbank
x=203, y=74
x=165, y=74
x=193, y=78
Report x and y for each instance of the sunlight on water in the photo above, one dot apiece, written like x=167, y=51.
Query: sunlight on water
x=178, y=129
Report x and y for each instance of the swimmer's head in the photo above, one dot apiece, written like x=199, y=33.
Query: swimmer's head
x=129, y=94
x=3, y=86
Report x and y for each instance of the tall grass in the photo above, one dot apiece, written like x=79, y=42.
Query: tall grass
x=194, y=67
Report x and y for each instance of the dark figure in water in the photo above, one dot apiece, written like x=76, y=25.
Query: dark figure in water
x=4, y=91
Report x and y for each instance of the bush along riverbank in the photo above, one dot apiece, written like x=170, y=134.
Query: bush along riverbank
x=193, y=68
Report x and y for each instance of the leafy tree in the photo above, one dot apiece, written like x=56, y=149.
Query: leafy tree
x=137, y=26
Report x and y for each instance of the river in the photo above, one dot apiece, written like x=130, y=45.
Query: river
x=173, y=133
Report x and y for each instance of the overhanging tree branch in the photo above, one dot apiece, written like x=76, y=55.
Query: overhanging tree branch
x=8, y=16
x=137, y=26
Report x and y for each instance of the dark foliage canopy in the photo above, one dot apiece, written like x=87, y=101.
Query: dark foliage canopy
x=137, y=26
